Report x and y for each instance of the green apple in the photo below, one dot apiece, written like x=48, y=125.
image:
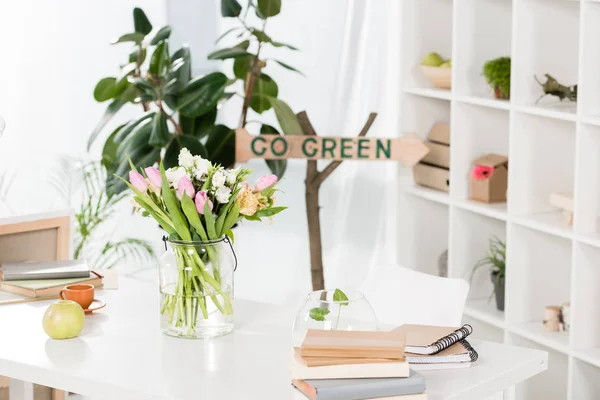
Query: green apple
x=432, y=60
x=63, y=319
x=446, y=64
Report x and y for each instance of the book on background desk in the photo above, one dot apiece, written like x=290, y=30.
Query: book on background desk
x=46, y=287
x=429, y=339
x=353, y=344
x=35, y=270
x=361, y=389
x=304, y=368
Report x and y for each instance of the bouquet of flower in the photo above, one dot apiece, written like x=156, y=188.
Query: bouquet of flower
x=198, y=202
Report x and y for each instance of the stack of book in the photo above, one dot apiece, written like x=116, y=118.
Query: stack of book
x=437, y=347
x=45, y=279
x=354, y=365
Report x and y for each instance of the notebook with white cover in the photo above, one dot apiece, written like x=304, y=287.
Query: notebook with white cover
x=429, y=339
x=457, y=353
x=66, y=269
x=382, y=369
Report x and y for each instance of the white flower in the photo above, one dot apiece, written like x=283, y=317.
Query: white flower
x=200, y=167
x=232, y=175
x=174, y=175
x=218, y=179
x=222, y=194
x=186, y=159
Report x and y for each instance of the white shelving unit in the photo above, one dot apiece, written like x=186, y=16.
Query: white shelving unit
x=552, y=147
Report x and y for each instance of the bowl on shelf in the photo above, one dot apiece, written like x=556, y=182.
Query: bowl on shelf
x=441, y=77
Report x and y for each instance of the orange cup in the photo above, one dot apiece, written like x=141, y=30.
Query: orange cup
x=82, y=294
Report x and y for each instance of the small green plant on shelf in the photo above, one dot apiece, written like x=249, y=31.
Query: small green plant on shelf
x=495, y=259
x=553, y=88
x=497, y=74
x=319, y=313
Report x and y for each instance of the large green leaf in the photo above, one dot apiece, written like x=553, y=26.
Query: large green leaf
x=190, y=142
x=198, y=126
x=109, y=88
x=230, y=8
x=264, y=88
x=131, y=125
x=269, y=8
x=230, y=52
x=134, y=37
x=286, y=117
x=180, y=70
x=160, y=135
x=220, y=145
x=261, y=36
x=109, y=151
x=241, y=65
x=162, y=34
x=141, y=22
x=160, y=59
x=201, y=95
x=110, y=112
x=277, y=167
x=139, y=137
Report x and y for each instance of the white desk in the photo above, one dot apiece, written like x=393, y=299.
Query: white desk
x=122, y=355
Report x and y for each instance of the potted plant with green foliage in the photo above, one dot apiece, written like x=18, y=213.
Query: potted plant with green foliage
x=179, y=111
x=497, y=74
x=496, y=260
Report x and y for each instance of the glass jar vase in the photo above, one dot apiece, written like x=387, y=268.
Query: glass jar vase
x=324, y=310
x=196, y=288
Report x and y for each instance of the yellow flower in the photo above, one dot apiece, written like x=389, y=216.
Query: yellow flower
x=248, y=203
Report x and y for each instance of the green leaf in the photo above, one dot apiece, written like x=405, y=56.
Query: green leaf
x=162, y=34
x=189, y=209
x=198, y=126
x=133, y=56
x=264, y=88
x=109, y=151
x=110, y=112
x=201, y=95
x=126, y=71
x=231, y=236
x=261, y=35
x=210, y=221
x=269, y=212
x=227, y=32
x=279, y=44
x=277, y=167
x=318, y=313
x=160, y=60
x=160, y=135
x=230, y=8
x=340, y=297
x=220, y=145
x=269, y=8
x=286, y=117
x=243, y=44
x=173, y=206
x=287, y=66
x=141, y=22
x=143, y=156
x=180, y=71
x=109, y=88
x=138, y=138
x=230, y=52
x=241, y=65
x=130, y=126
x=232, y=217
x=135, y=37
x=190, y=142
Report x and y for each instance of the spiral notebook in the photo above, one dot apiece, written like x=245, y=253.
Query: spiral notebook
x=428, y=339
x=461, y=352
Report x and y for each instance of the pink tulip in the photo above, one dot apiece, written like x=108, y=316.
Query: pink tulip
x=185, y=186
x=201, y=199
x=265, y=181
x=154, y=176
x=138, y=181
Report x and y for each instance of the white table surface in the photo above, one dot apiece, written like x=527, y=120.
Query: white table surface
x=121, y=354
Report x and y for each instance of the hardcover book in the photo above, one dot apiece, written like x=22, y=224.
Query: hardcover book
x=353, y=344
x=45, y=270
x=46, y=287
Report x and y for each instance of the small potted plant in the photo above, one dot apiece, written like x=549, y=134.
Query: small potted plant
x=496, y=260
x=497, y=74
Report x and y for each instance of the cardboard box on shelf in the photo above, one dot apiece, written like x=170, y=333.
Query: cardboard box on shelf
x=490, y=189
x=433, y=170
x=431, y=176
x=439, y=155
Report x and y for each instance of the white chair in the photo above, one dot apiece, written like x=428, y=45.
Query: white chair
x=403, y=296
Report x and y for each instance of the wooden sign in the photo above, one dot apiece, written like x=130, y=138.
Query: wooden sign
x=408, y=150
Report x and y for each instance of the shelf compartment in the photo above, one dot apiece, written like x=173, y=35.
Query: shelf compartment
x=547, y=41
x=588, y=96
x=585, y=310
x=538, y=275
x=427, y=27
x=483, y=32
x=550, y=384
x=422, y=233
x=535, y=332
x=476, y=131
x=468, y=244
x=542, y=161
x=432, y=93
x=407, y=185
x=485, y=310
x=585, y=383
x=588, y=173
x=492, y=210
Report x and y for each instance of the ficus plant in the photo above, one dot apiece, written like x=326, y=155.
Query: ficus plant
x=179, y=110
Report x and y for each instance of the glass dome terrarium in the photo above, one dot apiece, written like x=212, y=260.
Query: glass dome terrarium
x=334, y=310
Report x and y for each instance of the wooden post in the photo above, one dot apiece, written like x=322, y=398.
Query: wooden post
x=314, y=179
